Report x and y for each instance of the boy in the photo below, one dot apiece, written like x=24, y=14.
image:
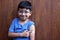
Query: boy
x=22, y=28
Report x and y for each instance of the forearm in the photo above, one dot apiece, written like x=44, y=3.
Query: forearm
x=15, y=34
x=32, y=36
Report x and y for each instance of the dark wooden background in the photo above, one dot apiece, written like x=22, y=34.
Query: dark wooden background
x=46, y=15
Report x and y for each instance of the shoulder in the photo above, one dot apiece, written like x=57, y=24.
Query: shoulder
x=31, y=22
x=15, y=19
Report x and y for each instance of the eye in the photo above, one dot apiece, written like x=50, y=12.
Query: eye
x=26, y=12
x=21, y=11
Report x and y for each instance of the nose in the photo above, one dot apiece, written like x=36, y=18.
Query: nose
x=23, y=13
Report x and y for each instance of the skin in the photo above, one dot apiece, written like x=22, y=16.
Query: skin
x=23, y=18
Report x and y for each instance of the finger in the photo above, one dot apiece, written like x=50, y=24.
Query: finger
x=26, y=30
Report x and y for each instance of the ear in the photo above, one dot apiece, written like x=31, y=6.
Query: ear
x=30, y=13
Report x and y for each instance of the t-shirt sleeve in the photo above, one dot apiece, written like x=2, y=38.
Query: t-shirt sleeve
x=30, y=23
x=11, y=28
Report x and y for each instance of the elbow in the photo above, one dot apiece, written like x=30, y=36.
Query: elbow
x=9, y=34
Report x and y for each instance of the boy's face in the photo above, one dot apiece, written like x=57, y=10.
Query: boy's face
x=24, y=14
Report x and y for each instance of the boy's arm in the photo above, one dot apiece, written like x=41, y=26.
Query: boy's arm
x=23, y=34
x=32, y=32
x=11, y=34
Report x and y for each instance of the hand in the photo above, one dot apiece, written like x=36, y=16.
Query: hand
x=26, y=33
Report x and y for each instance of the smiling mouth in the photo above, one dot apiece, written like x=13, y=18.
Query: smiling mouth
x=23, y=17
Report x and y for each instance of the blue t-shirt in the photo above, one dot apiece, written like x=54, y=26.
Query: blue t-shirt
x=16, y=28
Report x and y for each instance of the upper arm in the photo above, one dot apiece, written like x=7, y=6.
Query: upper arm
x=32, y=29
x=32, y=32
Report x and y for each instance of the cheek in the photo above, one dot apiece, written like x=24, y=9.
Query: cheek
x=19, y=13
x=28, y=15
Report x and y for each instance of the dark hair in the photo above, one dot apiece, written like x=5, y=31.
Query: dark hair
x=25, y=4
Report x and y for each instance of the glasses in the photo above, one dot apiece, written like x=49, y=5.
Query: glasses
x=24, y=11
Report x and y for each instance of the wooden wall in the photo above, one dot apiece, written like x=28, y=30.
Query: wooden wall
x=46, y=15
